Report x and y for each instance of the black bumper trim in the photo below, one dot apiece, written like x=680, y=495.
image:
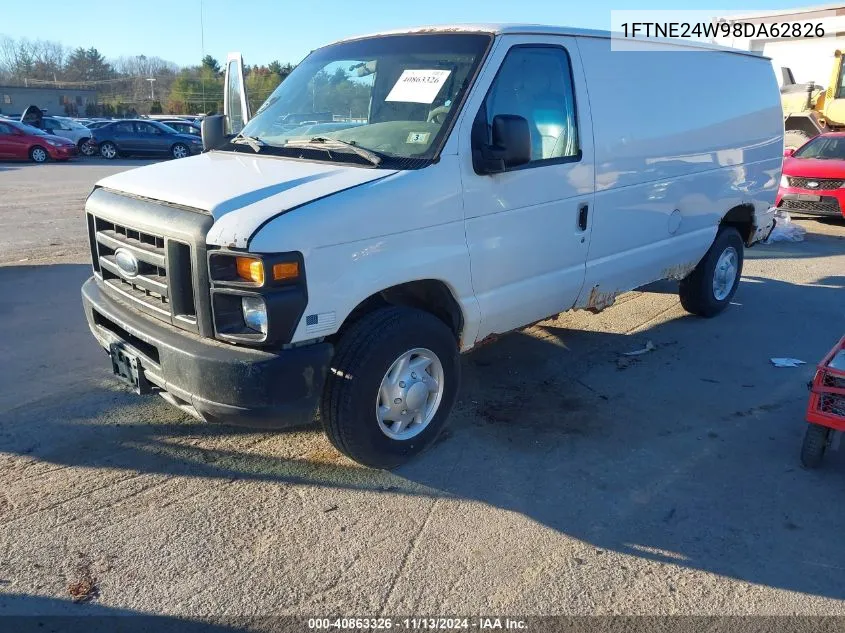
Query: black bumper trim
x=222, y=382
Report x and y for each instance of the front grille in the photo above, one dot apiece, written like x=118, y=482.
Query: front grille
x=161, y=261
x=824, y=184
x=828, y=205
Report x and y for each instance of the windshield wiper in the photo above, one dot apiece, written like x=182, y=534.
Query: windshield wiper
x=253, y=141
x=373, y=157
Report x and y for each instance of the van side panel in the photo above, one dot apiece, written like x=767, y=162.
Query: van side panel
x=681, y=137
x=406, y=227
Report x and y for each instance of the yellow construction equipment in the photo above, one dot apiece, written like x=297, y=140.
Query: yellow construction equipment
x=809, y=109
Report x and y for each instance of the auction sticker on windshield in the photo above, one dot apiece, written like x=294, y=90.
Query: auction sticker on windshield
x=418, y=86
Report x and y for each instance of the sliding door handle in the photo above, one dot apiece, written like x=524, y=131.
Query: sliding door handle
x=583, y=212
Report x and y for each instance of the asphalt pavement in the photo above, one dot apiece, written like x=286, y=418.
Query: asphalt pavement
x=572, y=479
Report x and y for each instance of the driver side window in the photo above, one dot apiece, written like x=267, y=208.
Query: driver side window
x=146, y=128
x=535, y=82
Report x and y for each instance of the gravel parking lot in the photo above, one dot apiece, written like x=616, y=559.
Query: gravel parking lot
x=572, y=480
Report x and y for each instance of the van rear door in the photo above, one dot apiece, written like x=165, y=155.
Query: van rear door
x=235, y=102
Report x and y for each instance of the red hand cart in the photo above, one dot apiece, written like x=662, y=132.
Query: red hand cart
x=826, y=408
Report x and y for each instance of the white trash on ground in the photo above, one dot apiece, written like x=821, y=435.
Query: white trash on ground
x=785, y=229
x=787, y=362
x=649, y=346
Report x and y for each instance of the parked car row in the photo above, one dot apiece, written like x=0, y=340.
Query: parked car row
x=33, y=136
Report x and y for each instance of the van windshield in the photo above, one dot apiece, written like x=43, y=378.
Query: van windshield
x=393, y=95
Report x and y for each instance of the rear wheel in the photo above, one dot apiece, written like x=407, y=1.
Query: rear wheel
x=814, y=446
x=108, y=150
x=38, y=154
x=179, y=151
x=391, y=387
x=709, y=288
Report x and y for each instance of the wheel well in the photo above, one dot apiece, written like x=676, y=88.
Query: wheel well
x=430, y=295
x=741, y=218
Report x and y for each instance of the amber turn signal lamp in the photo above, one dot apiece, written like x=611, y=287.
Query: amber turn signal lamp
x=285, y=270
x=250, y=269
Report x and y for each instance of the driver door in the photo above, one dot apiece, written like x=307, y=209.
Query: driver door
x=528, y=228
x=235, y=102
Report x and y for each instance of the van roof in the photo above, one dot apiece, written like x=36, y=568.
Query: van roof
x=544, y=29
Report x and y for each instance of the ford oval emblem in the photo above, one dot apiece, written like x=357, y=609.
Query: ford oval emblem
x=126, y=262
x=812, y=184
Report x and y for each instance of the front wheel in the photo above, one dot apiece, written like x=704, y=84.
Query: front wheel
x=179, y=151
x=108, y=150
x=392, y=384
x=87, y=147
x=709, y=288
x=38, y=154
x=814, y=445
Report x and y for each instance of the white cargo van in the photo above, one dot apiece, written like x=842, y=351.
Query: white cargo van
x=403, y=197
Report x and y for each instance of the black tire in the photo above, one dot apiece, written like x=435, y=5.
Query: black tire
x=793, y=139
x=38, y=154
x=814, y=445
x=696, y=290
x=108, y=150
x=180, y=150
x=362, y=358
x=87, y=147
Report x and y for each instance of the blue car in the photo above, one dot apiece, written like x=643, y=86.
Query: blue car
x=144, y=138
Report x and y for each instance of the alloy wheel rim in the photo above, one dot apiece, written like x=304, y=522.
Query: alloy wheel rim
x=179, y=151
x=39, y=155
x=725, y=273
x=108, y=150
x=410, y=394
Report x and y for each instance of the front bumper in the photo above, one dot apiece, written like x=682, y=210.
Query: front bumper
x=817, y=202
x=62, y=152
x=214, y=381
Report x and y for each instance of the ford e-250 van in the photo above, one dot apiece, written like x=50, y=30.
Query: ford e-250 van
x=470, y=180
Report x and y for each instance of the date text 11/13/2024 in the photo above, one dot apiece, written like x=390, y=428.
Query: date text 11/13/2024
x=419, y=623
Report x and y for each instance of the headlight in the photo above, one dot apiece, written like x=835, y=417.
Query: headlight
x=255, y=313
x=256, y=298
x=784, y=182
x=54, y=143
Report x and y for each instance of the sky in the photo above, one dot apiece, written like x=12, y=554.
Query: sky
x=287, y=30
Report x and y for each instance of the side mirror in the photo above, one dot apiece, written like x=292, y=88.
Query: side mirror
x=511, y=145
x=789, y=151
x=213, y=132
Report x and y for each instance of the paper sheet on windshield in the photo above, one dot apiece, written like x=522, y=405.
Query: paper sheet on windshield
x=418, y=86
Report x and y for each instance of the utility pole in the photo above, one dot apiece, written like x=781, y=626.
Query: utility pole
x=202, y=50
x=152, y=94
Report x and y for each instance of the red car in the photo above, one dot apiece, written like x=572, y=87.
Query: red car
x=24, y=142
x=813, y=180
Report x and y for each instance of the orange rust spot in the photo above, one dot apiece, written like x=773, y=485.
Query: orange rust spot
x=598, y=301
x=679, y=271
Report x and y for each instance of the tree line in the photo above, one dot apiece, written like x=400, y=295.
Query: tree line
x=123, y=84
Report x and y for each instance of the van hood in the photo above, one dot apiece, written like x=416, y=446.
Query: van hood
x=241, y=191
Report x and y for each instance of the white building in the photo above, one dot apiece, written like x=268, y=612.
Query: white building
x=809, y=58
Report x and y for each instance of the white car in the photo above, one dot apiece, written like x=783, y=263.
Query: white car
x=474, y=180
x=72, y=130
